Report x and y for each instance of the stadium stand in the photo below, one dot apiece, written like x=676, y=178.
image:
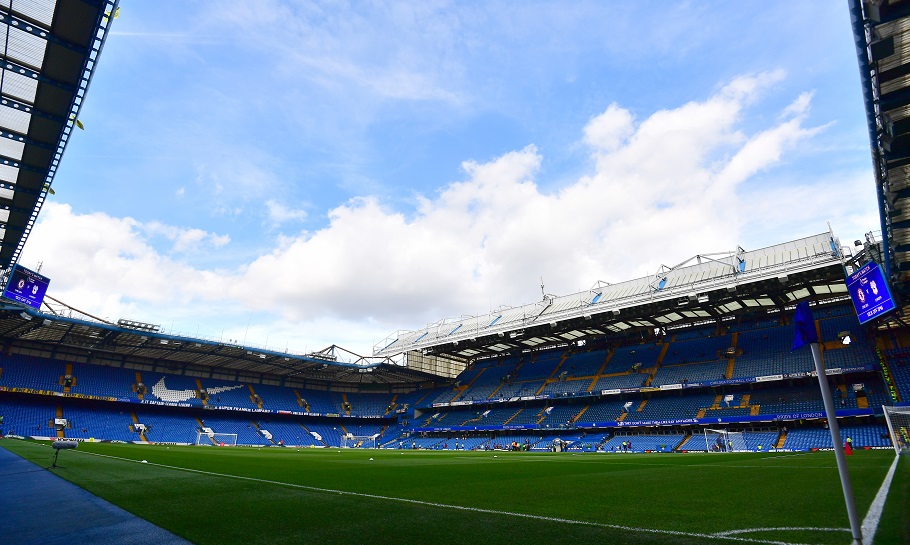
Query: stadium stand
x=530, y=398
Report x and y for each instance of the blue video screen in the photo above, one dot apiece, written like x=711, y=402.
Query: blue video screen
x=26, y=286
x=870, y=292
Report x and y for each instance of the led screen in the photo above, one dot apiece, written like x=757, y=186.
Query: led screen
x=26, y=286
x=869, y=292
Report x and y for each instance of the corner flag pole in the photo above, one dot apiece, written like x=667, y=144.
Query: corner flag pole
x=807, y=334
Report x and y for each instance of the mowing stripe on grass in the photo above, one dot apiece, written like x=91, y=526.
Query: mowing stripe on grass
x=870, y=523
x=711, y=537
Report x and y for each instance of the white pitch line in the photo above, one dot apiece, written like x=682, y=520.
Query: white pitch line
x=457, y=507
x=782, y=528
x=870, y=523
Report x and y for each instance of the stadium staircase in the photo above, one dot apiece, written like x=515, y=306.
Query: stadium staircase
x=302, y=402
x=139, y=394
x=744, y=400
x=663, y=352
x=67, y=373
x=683, y=444
x=199, y=389
x=755, y=410
x=600, y=371
x=701, y=413
x=781, y=439
x=621, y=417
x=254, y=399
x=542, y=415
x=426, y=395
x=60, y=434
x=731, y=363
x=321, y=440
x=259, y=428
x=651, y=372
x=346, y=405
x=392, y=406
x=512, y=417
x=133, y=427
x=581, y=412
x=493, y=393
x=641, y=406
x=553, y=376
x=201, y=425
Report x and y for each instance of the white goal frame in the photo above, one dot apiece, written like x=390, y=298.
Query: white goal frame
x=898, y=420
x=733, y=440
x=216, y=439
x=358, y=441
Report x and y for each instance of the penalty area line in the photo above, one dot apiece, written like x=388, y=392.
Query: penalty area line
x=713, y=537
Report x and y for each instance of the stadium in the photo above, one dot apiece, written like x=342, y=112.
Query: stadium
x=668, y=408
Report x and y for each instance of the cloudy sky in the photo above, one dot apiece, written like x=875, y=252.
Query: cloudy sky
x=298, y=174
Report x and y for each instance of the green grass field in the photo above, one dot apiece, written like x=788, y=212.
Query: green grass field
x=246, y=495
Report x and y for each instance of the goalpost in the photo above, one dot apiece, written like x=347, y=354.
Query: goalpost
x=724, y=441
x=358, y=441
x=216, y=439
x=898, y=419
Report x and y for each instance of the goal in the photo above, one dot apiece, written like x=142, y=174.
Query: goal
x=898, y=419
x=724, y=441
x=216, y=439
x=358, y=441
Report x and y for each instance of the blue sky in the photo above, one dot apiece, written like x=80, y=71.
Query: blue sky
x=298, y=174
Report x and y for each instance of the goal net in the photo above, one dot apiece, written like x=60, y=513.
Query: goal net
x=358, y=441
x=898, y=419
x=724, y=441
x=217, y=439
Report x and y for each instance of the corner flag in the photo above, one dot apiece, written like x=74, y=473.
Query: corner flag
x=805, y=326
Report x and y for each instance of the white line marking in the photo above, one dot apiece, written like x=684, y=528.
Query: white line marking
x=870, y=523
x=458, y=507
x=783, y=528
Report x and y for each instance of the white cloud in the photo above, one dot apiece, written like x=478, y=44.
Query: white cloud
x=659, y=190
x=186, y=240
x=610, y=129
x=279, y=213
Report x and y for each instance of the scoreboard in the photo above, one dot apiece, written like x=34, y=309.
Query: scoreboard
x=869, y=292
x=26, y=286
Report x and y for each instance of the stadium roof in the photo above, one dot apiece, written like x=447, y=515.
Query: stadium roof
x=91, y=339
x=705, y=288
x=50, y=49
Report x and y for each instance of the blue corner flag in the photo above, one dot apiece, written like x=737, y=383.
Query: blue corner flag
x=805, y=326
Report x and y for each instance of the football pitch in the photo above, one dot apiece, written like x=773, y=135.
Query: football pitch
x=243, y=495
